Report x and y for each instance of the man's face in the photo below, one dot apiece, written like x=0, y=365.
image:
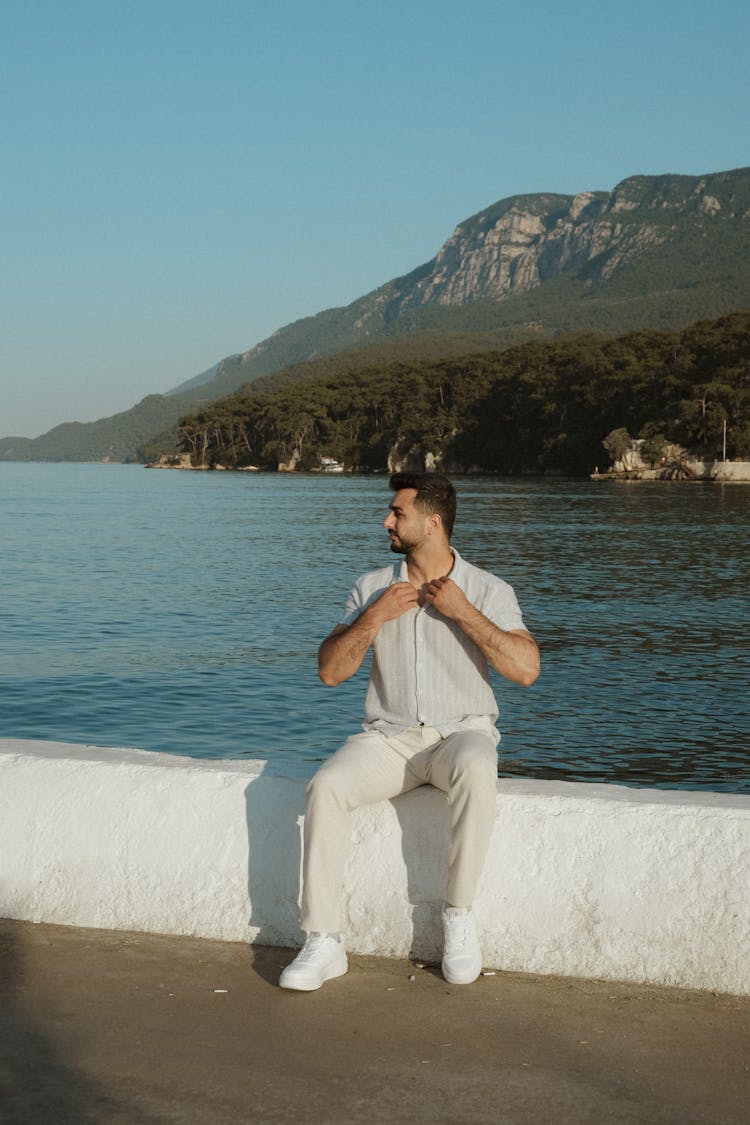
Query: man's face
x=405, y=524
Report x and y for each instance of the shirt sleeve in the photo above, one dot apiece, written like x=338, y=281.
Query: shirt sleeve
x=501, y=606
x=366, y=590
x=354, y=605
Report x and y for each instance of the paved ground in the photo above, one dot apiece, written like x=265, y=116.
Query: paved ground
x=111, y=1027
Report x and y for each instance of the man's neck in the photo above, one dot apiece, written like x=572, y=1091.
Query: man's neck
x=428, y=563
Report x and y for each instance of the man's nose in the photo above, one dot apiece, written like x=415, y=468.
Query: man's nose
x=388, y=521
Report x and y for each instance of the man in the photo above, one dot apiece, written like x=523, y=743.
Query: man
x=434, y=623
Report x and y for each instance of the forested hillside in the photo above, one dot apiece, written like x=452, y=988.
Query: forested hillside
x=543, y=406
x=117, y=438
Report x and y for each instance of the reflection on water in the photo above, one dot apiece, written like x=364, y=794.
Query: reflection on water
x=182, y=612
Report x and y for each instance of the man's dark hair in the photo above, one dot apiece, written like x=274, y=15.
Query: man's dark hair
x=435, y=494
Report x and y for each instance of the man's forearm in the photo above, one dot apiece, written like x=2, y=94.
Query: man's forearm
x=514, y=654
x=342, y=652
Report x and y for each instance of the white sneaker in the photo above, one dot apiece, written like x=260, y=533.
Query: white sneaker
x=321, y=958
x=462, y=957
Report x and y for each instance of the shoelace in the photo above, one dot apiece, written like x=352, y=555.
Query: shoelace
x=457, y=934
x=311, y=947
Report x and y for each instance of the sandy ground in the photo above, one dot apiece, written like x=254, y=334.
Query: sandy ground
x=116, y=1027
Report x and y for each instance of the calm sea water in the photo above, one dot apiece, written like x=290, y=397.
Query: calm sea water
x=181, y=612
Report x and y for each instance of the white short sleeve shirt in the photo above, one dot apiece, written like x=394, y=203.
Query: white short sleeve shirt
x=425, y=670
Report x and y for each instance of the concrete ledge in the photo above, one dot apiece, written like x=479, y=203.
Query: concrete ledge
x=638, y=885
x=721, y=470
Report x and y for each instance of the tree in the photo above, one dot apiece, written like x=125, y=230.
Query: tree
x=617, y=443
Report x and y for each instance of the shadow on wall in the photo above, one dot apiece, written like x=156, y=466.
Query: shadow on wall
x=274, y=808
x=424, y=820
x=35, y=1084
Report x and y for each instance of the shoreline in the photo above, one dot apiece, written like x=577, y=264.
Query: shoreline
x=729, y=472
x=683, y=472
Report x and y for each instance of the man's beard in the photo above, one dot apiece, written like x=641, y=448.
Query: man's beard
x=402, y=546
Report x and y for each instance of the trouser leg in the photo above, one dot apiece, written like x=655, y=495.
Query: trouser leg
x=464, y=766
x=366, y=769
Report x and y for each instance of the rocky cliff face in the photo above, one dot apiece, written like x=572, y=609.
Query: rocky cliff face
x=521, y=242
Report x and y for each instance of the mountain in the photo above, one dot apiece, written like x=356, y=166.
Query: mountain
x=656, y=252
x=196, y=381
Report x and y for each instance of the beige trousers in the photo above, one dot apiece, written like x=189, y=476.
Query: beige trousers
x=371, y=767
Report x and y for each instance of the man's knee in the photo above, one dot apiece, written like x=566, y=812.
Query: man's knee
x=336, y=781
x=325, y=786
x=475, y=761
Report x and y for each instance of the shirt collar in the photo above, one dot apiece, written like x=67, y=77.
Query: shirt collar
x=401, y=571
x=459, y=566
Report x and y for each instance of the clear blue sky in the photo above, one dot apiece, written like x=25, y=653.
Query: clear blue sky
x=180, y=178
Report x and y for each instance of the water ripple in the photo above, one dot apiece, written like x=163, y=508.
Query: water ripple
x=182, y=612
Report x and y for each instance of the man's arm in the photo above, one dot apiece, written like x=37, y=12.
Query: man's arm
x=342, y=652
x=513, y=653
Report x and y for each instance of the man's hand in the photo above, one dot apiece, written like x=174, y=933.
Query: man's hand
x=395, y=600
x=447, y=598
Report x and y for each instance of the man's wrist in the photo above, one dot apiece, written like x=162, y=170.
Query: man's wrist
x=368, y=622
x=468, y=615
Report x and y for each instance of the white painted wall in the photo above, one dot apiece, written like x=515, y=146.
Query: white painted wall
x=582, y=880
